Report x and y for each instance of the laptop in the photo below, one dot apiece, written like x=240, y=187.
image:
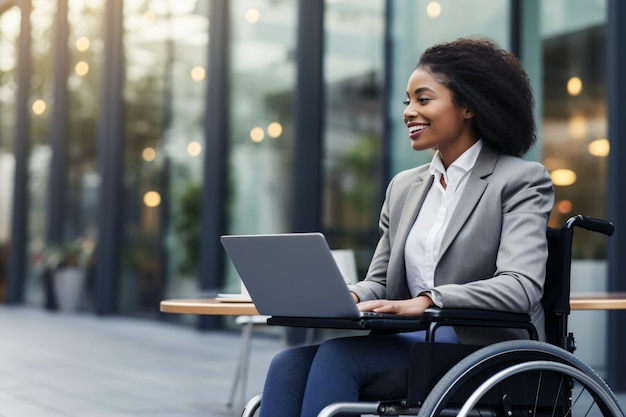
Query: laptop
x=294, y=275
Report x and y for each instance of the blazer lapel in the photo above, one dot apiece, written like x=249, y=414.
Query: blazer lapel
x=472, y=193
x=398, y=288
x=414, y=200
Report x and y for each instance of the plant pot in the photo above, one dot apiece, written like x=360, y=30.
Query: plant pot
x=69, y=283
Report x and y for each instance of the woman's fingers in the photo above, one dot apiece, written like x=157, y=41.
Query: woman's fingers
x=410, y=307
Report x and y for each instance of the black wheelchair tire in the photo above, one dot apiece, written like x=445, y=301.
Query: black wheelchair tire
x=491, y=358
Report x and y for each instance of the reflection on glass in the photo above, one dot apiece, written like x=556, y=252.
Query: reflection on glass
x=263, y=40
x=578, y=126
x=257, y=134
x=198, y=73
x=564, y=207
x=9, y=31
x=166, y=44
x=149, y=154
x=82, y=44
x=152, y=199
x=81, y=68
x=353, y=81
x=81, y=170
x=40, y=96
x=563, y=177
x=194, y=148
x=39, y=107
x=433, y=9
x=274, y=130
x=599, y=147
x=574, y=86
x=575, y=110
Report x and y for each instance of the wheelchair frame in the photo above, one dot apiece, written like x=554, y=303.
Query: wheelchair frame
x=487, y=381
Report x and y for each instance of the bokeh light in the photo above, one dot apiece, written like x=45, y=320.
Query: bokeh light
x=152, y=199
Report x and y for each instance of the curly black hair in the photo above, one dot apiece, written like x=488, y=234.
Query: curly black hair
x=493, y=84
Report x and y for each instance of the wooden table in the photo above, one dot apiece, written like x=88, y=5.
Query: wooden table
x=208, y=306
x=211, y=306
x=598, y=301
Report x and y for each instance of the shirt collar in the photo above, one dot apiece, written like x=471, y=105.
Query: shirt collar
x=462, y=164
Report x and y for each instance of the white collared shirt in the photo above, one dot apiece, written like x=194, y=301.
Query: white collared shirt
x=421, y=251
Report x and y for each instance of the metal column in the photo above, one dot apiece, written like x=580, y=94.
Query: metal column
x=213, y=206
x=17, y=256
x=616, y=86
x=110, y=166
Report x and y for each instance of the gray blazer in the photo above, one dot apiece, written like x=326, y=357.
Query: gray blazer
x=493, y=253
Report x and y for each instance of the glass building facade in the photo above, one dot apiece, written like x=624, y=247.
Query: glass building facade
x=139, y=131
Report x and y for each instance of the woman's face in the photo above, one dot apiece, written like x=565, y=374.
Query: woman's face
x=434, y=120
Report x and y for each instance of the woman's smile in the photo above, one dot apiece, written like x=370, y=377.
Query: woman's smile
x=416, y=129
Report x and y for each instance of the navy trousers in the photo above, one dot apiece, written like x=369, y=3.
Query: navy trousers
x=302, y=381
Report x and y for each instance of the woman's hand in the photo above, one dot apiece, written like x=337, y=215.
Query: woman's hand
x=410, y=307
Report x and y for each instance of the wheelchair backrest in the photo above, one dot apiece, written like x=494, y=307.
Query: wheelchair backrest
x=556, y=291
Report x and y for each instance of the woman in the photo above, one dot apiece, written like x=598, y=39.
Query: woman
x=465, y=231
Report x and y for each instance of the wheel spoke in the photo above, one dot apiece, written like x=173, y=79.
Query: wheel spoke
x=556, y=400
x=574, y=402
x=537, y=393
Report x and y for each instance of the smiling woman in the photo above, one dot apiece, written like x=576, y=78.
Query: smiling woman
x=477, y=188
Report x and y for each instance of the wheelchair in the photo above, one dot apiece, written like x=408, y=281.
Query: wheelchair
x=513, y=378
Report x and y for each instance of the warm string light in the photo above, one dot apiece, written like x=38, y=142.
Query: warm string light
x=274, y=130
x=39, y=107
x=194, y=148
x=152, y=199
x=81, y=68
x=574, y=86
x=433, y=9
x=253, y=16
x=149, y=154
x=198, y=73
x=563, y=177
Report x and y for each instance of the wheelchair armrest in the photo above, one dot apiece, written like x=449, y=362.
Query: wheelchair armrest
x=476, y=318
x=439, y=314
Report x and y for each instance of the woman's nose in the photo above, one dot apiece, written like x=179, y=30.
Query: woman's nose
x=409, y=113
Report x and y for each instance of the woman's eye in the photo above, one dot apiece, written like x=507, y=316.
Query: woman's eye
x=406, y=101
x=423, y=100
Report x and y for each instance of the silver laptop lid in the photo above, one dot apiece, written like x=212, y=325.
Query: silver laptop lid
x=292, y=274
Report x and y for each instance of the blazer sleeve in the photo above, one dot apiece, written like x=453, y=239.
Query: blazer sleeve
x=375, y=284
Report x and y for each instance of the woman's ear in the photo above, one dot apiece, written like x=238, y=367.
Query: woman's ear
x=468, y=113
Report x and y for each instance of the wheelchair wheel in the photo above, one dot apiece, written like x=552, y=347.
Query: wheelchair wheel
x=521, y=378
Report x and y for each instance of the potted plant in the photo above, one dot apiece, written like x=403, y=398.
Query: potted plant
x=68, y=264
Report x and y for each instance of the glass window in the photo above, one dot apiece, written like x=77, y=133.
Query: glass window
x=262, y=83
x=574, y=126
x=40, y=102
x=166, y=59
x=564, y=46
x=354, y=62
x=418, y=24
x=9, y=32
x=85, y=46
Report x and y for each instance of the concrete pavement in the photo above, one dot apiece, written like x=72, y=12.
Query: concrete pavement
x=54, y=364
